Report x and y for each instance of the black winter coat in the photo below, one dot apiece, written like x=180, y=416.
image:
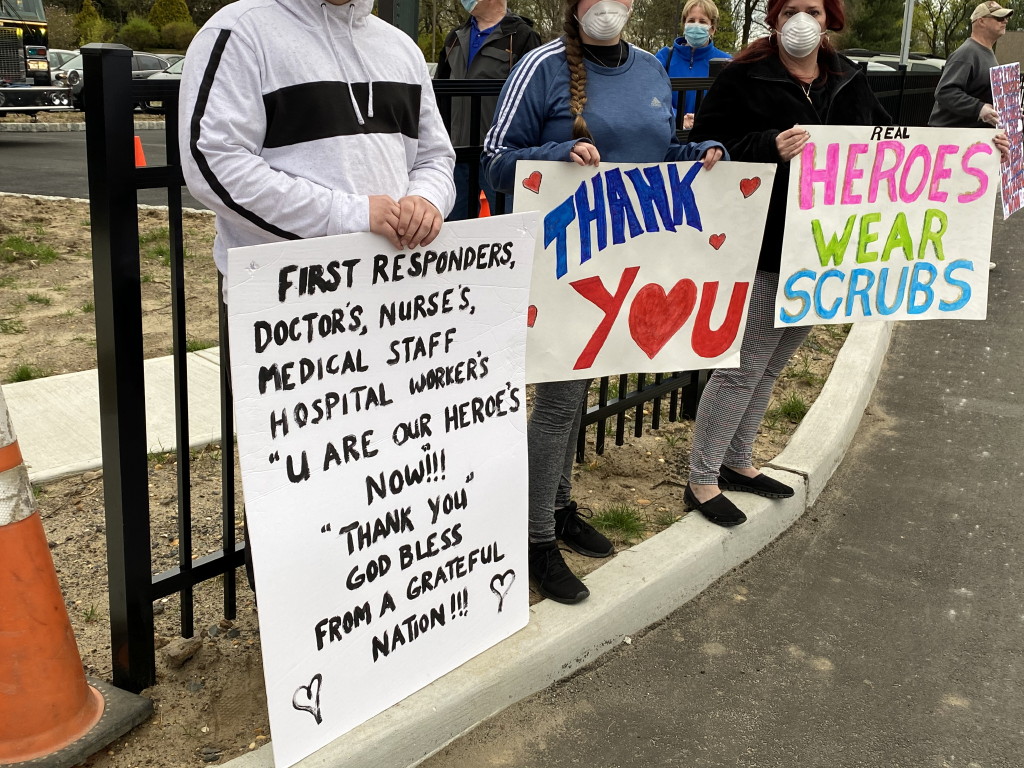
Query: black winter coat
x=502, y=50
x=752, y=103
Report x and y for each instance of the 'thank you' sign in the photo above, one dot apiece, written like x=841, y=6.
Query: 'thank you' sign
x=640, y=268
x=381, y=412
x=888, y=223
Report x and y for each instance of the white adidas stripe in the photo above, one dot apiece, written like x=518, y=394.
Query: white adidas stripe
x=520, y=79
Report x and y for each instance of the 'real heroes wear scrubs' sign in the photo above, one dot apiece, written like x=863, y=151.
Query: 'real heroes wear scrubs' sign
x=381, y=412
x=888, y=223
x=640, y=268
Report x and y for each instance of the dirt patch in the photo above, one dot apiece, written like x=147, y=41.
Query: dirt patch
x=212, y=707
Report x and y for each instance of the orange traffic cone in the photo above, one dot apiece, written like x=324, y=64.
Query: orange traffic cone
x=140, y=156
x=485, y=207
x=45, y=701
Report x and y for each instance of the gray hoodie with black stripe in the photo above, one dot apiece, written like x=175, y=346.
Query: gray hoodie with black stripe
x=294, y=112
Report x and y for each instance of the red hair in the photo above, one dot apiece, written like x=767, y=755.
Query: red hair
x=763, y=48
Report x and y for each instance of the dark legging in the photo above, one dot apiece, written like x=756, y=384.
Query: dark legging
x=551, y=440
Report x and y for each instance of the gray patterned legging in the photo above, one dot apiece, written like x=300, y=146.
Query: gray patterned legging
x=551, y=441
x=735, y=399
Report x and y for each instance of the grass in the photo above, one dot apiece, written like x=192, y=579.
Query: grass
x=621, y=521
x=803, y=374
x=8, y=282
x=793, y=409
x=91, y=614
x=26, y=372
x=156, y=245
x=38, y=298
x=16, y=248
x=193, y=344
x=88, y=307
x=11, y=325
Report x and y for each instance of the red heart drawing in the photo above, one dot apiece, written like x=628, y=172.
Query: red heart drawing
x=716, y=241
x=531, y=316
x=532, y=182
x=750, y=186
x=654, y=317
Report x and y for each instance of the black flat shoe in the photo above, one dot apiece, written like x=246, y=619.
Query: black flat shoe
x=762, y=485
x=718, y=510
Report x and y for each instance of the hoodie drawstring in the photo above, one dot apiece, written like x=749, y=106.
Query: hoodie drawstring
x=341, y=67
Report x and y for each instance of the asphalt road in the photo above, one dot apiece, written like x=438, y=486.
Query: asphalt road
x=884, y=630
x=54, y=164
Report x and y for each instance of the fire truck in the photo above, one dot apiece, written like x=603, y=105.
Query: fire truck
x=24, y=68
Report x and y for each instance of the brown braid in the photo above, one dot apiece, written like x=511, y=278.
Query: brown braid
x=577, y=72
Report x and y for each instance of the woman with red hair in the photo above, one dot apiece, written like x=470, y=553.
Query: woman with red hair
x=756, y=107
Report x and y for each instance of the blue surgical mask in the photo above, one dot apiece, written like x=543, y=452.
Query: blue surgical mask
x=696, y=35
x=469, y=5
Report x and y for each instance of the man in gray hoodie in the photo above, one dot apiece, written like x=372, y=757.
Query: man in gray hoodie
x=304, y=118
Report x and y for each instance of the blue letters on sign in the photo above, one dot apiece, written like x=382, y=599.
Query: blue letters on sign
x=606, y=197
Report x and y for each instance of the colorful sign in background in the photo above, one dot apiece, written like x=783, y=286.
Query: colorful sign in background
x=381, y=413
x=1005, y=81
x=640, y=268
x=888, y=223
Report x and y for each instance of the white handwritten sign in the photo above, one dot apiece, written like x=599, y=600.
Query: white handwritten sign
x=643, y=268
x=890, y=223
x=1005, y=81
x=380, y=402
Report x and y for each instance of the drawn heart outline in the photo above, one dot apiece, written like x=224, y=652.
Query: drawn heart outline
x=500, y=588
x=655, y=317
x=750, y=186
x=716, y=241
x=532, y=182
x=306, y=699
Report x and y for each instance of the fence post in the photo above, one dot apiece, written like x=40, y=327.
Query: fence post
x=116, y=277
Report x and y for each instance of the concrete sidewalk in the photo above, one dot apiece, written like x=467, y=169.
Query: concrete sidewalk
x=636, y=589
x=57, y=419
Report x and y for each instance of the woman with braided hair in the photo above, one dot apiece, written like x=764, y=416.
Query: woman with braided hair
x=584, y=97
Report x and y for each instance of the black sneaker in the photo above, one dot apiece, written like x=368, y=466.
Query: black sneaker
x=554, y=579
x=578, y=534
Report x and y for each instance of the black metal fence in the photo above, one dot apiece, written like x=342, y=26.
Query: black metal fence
x=114, y=182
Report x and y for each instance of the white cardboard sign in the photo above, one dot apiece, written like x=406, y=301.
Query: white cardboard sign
x=888, y=223
x=640, y=268
x=380, y=404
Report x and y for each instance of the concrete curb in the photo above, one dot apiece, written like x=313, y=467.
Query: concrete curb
x=140, y=125
x=636, y=589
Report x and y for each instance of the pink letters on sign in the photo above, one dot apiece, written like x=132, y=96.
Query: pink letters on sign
x=880, y=172
x=809, y=175
x=975, y=172
x=852, y=173
x=941, y=172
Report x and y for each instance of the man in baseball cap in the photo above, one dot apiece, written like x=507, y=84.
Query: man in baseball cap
x=963, y=97
x=991, y=8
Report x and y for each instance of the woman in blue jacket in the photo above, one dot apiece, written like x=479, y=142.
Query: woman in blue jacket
x=690, y=54
x=585, y=97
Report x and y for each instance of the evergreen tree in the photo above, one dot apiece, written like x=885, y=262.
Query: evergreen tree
x=90, y=27
x=166, y=12
x=875, y=25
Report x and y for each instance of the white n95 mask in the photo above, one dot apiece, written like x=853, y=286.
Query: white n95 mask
x=605, y=20
x=801, y=35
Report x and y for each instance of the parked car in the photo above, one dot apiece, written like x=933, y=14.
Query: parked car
x=880, y=61
x=173, y=72
x=70, y=74
x=58, y=58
